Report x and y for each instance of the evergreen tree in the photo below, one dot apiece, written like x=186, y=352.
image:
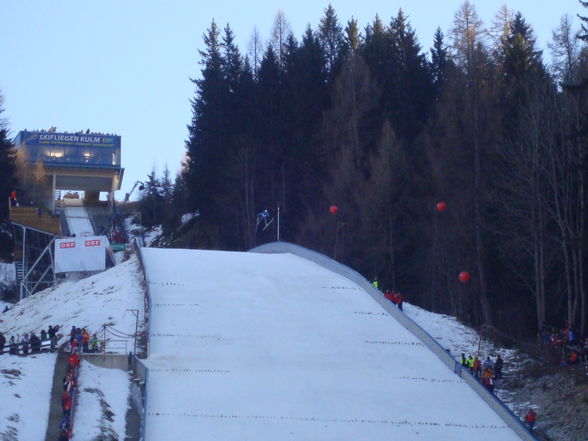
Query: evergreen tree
x=520, y=58
x=331, y=37
x=7, y=166
x=410, y=96
x=353, y=38
x=439, y=62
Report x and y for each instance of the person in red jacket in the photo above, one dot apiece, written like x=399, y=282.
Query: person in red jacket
x=390, y=295
x=530, y=419
x=66, y=404
x=74, y=360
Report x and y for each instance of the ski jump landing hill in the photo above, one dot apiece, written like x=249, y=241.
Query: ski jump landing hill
x=284, y=343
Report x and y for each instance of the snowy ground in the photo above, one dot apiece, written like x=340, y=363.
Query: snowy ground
x=25, y=382
x=102, y=403
x=136, y=231
x=91, y=303
x=25, y=391
x=455, y=336
x=258, y=346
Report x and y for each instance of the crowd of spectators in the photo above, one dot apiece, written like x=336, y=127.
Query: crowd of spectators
x=53, y=129
x=564, y=345
x=80, y=340
x=30, y=343
x=487, y=372
x=70, y=382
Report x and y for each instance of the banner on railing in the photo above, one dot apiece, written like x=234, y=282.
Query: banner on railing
x=81, y=254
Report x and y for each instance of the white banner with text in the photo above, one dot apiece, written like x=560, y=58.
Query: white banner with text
x=81, y=254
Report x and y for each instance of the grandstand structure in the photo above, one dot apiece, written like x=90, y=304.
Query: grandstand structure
x=68, y=184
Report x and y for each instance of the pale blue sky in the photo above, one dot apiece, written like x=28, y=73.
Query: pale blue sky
x=123, y=66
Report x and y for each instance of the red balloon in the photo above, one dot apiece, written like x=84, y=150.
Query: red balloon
x=464, y=277
x=333, y=209
x=441, y=206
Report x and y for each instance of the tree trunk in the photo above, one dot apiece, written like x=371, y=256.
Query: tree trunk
x=483, y=287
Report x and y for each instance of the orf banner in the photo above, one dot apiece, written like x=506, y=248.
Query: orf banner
x=81, y=254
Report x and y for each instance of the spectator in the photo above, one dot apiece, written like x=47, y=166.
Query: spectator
x=94, y=343
x=64, y=429
x=74, y=360
x=69, y=382
x=72, y=334
x=85, y=340
x=487, y=380
x=399, y=300
x=35, y=343
x=498, y=367
x=530, y=419
x=79, y=336
x=52, y=333
x=13, y=346
x=24, y=341
x=13, y=200
x=66, y=404
x=477, y=367
x=2, y=343
x=376, y=283
x=471, y=364
x=572, y=359
x=488, y=363
x=43, y=335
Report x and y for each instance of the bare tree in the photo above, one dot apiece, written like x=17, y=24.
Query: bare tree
x=280, y=32
x=470, y=53
x=500, y=28
x=466, y=33
x=255, y=51
x=565, y=52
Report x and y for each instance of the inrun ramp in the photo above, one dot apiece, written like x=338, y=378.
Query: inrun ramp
x=79, y=221
x=267, y=347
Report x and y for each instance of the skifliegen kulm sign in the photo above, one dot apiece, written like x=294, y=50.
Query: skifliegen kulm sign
x=45, y=138
x=81, y=254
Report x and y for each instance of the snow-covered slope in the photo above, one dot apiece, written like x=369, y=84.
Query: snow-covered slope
x=25, y=382
x=271, y=346
x=25, y=390
x=102, y=403
x=90, y=303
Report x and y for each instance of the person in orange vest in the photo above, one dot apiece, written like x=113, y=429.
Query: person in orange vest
x=477, y=366
x=85, y=340
x=530, y=419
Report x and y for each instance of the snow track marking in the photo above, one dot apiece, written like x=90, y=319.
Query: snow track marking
x=195, y=371
x=399, y=343
x=162, y=305
x=371, y=313
x=326, y=420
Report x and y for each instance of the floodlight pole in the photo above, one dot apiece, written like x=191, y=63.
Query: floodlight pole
x=278, y=229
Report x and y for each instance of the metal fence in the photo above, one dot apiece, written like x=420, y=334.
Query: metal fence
x=141, y=372
x=139, y=390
